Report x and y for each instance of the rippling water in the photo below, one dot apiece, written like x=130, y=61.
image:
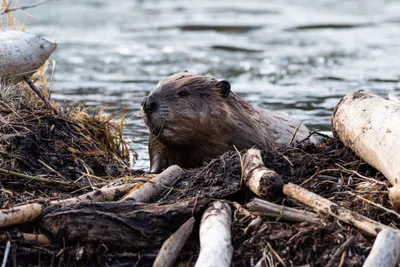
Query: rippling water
x=299, y=57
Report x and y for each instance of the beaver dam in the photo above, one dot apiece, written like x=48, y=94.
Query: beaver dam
x=69, y=199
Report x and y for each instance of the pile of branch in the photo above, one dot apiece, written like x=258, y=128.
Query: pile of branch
x=187, y=216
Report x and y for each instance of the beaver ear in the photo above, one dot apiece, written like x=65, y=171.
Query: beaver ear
x=224, y=87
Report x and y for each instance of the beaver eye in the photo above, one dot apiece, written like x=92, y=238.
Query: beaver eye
x=183, y=93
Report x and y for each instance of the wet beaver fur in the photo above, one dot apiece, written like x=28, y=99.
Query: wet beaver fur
x=193, y=118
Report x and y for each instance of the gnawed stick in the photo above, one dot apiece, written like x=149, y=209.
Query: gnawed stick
x=37, y=239
x=326, y=206
x=278, y=211
x=173, y=245
x=155, y=187
x=30, y=212
x=215, y=236
x=339, y=251
x=6, y=253
x=262, y=181
x=386, y=250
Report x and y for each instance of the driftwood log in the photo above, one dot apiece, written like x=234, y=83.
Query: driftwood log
x=370, y=126
x=119, y=224
x=22, y=54
x=326, y=206
x=263, y=182
x=215, y=236
x=386, y=250
x=30, y=212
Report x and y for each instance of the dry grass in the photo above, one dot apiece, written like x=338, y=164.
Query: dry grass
x=68, y=145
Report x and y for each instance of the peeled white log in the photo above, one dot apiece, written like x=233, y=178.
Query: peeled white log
x=370, y=126
x=173, y=245
x=156, y=186
x=215, y=236
x=22, y=54
x=386, y=250
x=263, y=182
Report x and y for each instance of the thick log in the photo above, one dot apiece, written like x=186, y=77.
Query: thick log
x=173, y=245
x=279, y=211
x=22, y=54
x=215, y=236
x=30, y=212
x=326, y=206
x=262, y=181
x=370, y=126
x=152, y=189
x=119, y=225
x=386, y=250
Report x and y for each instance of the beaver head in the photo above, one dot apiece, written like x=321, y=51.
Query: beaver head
x=186, y=109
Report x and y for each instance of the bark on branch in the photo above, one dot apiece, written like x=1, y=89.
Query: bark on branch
x=326, y=206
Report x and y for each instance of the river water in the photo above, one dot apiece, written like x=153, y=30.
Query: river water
x=299, y=57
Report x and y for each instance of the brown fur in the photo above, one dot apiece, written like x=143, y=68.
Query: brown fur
x=198, y=119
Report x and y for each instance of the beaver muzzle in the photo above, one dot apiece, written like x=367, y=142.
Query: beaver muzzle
x=149, y=105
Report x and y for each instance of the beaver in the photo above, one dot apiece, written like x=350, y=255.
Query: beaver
x=194, y=118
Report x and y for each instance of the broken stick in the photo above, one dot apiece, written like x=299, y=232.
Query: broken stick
x=155, y=187
x=262, y=181
x=278, y=211
x=173, y=245
x=326, y=206
x=215, y=236
x=30, y=212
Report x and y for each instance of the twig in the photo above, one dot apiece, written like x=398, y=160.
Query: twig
x=342, y=258
x=40, y=94
x=288, y=160
x=361, y=176
x=341, y=249
x=51, y=169
x=326, y=206
x=24, y=7
x=314, y=133
x=6, y=252
x=276, y=254
x=241, y=165
x=310, y=178
x=295, y=133
x=379, y=206
x=266, y=260
x=38, y=179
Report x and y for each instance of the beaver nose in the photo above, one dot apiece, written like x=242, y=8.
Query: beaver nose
x=149, y=105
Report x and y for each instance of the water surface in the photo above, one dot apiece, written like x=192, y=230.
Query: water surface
x=299, y=57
